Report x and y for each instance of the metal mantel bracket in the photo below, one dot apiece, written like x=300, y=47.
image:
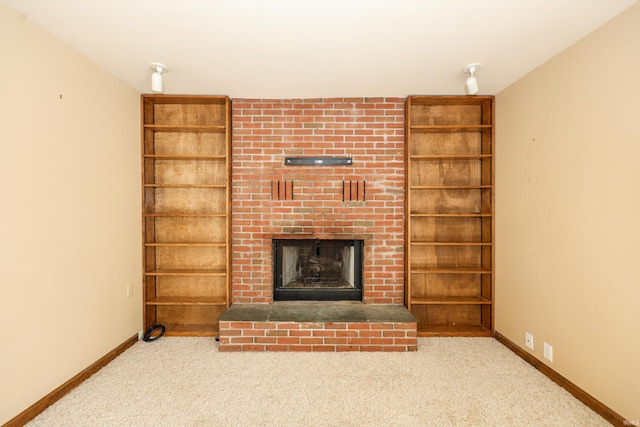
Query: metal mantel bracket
x=318, y=161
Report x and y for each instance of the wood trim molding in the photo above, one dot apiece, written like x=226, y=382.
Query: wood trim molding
x=57, y=394
x=595, y=405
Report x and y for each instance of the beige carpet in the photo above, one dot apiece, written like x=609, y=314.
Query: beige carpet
x=447, y=382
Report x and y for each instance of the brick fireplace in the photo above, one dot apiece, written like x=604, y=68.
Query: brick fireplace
x=275, y=201
x=271, y=200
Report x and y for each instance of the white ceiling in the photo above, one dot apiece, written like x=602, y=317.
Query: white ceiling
x=319, y=48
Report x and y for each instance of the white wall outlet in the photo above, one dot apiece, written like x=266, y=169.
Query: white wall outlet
x=528, y=340
x=548, y=352
x=129, y=290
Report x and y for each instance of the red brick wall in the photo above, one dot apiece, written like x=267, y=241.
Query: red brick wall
x=312, y=336
x=371, y=131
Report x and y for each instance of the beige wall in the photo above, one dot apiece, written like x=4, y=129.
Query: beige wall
x=70, y=213
x=568, y=212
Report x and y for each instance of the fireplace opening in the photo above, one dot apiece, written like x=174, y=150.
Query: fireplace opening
x=317, y=270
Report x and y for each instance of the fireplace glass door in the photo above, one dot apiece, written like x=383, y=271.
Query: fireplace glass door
x=317, y=270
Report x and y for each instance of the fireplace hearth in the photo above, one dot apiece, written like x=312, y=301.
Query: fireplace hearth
x=317, y=270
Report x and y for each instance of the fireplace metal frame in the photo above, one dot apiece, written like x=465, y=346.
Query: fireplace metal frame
x=317, y=294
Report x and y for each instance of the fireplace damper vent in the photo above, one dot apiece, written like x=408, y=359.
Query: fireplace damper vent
x=317, y=270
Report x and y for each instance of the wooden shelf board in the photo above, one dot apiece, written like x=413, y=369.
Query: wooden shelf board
x=186, y=128
x=184, y=157
x=452, y=270
x=414, y=243
x=450, y=300
x=191, y=215
x=449, y=128
x=186, y=301
x=186, y=244
x=187, y=272
x=185, y=186
x=452, y=215
x=450, y=187
x=449, y=156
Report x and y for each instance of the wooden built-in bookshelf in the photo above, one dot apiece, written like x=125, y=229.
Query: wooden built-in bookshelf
x=186, y=211
x=449, y=214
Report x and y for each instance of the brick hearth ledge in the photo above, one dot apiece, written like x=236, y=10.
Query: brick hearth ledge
x=317, y=326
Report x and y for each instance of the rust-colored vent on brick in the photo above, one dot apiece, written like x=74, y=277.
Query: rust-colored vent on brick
x=281, y=190
x=353, y=191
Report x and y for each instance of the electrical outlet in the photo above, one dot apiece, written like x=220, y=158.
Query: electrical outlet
x=528, y=340
x=548, y=352
x=129, y=290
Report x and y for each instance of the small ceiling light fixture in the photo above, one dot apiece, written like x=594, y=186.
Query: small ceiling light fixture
x=472, y=84
x=156, y=77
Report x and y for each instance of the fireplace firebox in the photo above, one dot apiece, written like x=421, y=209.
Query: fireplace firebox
x=317, y=270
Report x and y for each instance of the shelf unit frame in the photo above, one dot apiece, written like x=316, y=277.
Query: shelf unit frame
x=186, y=211
x=450, y=198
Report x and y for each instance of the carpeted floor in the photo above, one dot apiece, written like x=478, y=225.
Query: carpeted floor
x=447, y=382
